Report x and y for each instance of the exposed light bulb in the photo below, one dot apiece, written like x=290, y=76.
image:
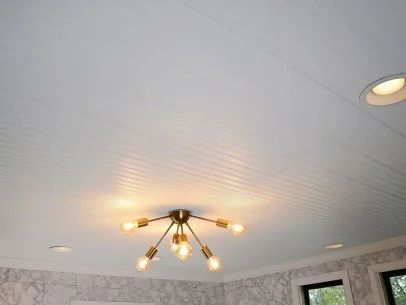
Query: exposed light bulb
x=389, y=87
x=184, y=250
x=174, y=247
x=142, y=263
x=175, y=243
x=129, y=227
x=236, y=228
x=214, y=263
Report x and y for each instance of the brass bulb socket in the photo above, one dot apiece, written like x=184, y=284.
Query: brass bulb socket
x=178, y=238
x=222, y=223
x=151, y=252
x=142, y=222
x=206, y=252
x=175, y=239
x=182, y=237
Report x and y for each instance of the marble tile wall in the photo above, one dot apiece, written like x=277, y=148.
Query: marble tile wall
x=275, y=289
x=34, y=287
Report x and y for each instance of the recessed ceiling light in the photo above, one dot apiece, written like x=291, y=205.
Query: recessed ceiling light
x=385, y=91
x=389, y=87
x=61, y=249
x=334, y=246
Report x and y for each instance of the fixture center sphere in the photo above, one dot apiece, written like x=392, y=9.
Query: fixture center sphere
x=179, y=216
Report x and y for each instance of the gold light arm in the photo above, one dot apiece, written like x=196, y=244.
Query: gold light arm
x=213, y=261
x=142, y=222
x=222, y=223
x=163, y=236
x=158, y=218
x=129, y=227
x=203, y=218
x=195, y=236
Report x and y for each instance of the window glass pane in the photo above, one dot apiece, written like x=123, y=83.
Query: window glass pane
x=398, y=284
x=333, y=295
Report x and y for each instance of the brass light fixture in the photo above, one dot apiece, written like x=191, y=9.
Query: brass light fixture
x=180, y=245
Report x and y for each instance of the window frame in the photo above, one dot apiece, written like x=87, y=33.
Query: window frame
x=321, y=279
x=388, y=285
x=377, y=281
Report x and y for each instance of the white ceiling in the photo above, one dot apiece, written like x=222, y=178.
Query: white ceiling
x=240, y=109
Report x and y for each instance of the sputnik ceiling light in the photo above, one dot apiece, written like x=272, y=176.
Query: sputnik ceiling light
x=180, y=245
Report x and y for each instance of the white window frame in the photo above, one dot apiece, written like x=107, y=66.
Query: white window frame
x=378, y=287
x=107, y=303
x=297, y=284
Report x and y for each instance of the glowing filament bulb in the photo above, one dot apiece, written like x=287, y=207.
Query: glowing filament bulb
x=184, y=250
x=129, y=227
x=142, y=263
x=214, y=263
x=236, y=228
x=174, y=247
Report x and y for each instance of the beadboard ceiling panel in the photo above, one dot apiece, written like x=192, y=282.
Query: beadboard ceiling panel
x=240, y=109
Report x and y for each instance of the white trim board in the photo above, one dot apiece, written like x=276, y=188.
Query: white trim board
x=297, y=293
x=376, y=279
x=210, y=276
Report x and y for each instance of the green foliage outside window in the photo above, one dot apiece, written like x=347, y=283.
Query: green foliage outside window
x=398, y=284
x=335, y=295
x=328, y=296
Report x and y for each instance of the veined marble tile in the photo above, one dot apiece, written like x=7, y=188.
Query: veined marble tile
x=90, y=280
x=59, y=294
x=4, y=274
x=100, y=294
x=40, y=276
x=275, y=288
x=35, y=287
x=18, y=293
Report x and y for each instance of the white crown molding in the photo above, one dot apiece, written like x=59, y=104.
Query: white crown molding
x=318, y=259
x=209, y=276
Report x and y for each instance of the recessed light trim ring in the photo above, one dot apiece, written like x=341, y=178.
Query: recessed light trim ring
x=60, y=249
x=334, y=246
x=370, y=97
